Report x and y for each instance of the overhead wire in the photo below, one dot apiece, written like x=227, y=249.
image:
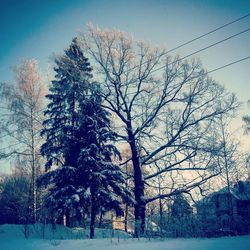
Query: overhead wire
x=208, y=33
x=213, y=70
x=202, y=49
x=205, y=48
x=201, y=36
x=191, y=54
x=229, y=64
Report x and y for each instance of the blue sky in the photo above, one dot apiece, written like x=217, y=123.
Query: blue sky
x=37, y=29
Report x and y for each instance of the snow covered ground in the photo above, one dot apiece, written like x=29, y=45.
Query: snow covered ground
x=11, y=238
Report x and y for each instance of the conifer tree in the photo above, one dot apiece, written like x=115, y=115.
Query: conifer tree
x=78, y=145
x=67, y=91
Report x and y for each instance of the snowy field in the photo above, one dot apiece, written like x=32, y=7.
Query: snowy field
x=11, y=238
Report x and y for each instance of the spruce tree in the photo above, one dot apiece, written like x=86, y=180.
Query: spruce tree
x=61, y=149
x=78, y=147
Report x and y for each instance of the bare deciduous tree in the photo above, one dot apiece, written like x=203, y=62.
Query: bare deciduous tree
x=246, y=120
x=22, y=119
x=165, y=115
x=229, y=161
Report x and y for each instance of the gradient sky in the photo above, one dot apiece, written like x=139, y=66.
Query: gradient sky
x=37, y=29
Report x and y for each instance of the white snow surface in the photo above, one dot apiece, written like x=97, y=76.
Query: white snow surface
x=11, y=238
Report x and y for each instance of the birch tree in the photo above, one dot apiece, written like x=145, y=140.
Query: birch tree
x=22, y=114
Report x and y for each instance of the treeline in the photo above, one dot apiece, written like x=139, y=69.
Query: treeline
x=111, y=134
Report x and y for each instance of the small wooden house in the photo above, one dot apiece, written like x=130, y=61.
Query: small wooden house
x=227, y=211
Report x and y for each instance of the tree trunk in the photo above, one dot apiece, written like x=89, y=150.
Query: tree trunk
x=126, y=206
x=160, y=207
x=67, y=214
x=33, y=163
x=92, y=218
x=126, y=219
x=161, y=216
x=100, y=220
x=229, y=197
x=79, y=217
x=140, y=205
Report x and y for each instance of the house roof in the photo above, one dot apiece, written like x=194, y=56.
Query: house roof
x=240, y=191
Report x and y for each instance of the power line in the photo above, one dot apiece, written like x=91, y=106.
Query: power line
x=208, y=33
x=195, y=52
x=199, y=37
x=205, y=48
x=202, y=49
x=195, y=39
x=208, y=72
x=229, y=64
